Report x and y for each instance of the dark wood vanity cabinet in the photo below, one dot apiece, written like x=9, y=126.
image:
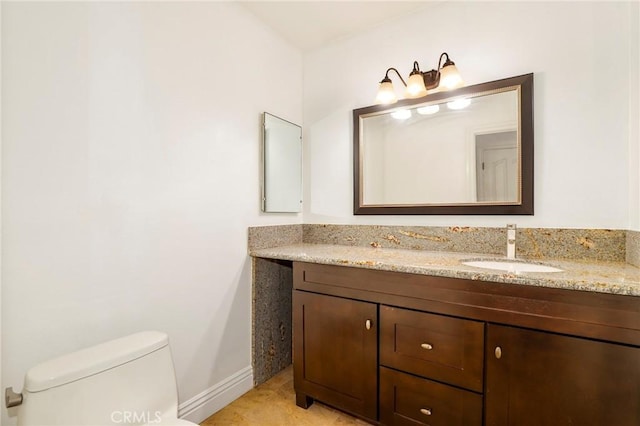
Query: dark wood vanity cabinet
x=405, y=349
x=446, y=349
x=537, y=378
x=448, y=355
x=406, y=399
x=336, y=352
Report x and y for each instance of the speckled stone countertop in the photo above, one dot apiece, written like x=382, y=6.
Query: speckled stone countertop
x=584, y=275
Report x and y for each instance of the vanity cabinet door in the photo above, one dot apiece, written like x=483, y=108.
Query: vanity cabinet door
x=335, y=352
x=537, y=378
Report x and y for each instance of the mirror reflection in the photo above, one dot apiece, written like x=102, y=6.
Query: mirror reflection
x=282, y=166
x=460, y=151
x=467, y=151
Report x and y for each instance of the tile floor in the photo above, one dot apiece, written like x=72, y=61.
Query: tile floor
x=273, y=403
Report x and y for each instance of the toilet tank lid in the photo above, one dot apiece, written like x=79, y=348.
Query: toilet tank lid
x=95, y=359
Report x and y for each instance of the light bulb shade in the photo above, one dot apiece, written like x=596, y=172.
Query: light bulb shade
x=415, y=86
x=450, y=76
x=386, y=94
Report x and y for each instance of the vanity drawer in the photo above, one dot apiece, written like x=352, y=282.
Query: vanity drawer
x=410, y=400
x=438, y=347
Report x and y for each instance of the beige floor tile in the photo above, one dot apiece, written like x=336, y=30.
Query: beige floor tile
x=274, y=404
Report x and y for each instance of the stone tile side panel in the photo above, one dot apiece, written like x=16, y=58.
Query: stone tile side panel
x=587, y=244
x=273, y=236
x=271, y=323
x=633, y=248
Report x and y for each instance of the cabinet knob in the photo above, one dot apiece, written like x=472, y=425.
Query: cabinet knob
x=498, y=352
x=426, y=346
x=426, y=411
x=367, y=324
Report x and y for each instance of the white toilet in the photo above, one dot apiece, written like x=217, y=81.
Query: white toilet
x=127, y=381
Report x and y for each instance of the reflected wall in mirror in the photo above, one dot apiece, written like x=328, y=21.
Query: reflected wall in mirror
x=467, y=151
x=282, y=165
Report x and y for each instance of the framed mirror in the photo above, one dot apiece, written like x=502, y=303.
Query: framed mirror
x=282, y=165
x=464, y=151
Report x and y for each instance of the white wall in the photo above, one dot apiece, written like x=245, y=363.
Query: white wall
x=131, y=135
x=581, y=115
x=1, y=361
x=634, y=119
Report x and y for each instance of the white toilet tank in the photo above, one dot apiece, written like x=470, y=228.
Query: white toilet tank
x=128, y=381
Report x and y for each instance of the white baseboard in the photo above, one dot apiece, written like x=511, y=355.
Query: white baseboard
x=217, y=396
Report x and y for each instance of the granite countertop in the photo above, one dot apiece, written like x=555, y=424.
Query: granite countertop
x=603, y=277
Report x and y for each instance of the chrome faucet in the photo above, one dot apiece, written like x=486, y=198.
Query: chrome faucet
x=511, y=241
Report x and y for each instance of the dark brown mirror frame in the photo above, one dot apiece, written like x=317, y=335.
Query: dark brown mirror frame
x=525, y=207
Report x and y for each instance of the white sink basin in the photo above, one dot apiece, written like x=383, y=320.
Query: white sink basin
x=514, y=266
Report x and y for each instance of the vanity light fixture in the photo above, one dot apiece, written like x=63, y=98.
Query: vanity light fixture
x=419, y=82
x=386, y=94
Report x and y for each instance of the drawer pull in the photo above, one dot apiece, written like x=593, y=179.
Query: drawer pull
x=426, y=346
x=498, y=352
x=426, y=411
x=367, y=324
